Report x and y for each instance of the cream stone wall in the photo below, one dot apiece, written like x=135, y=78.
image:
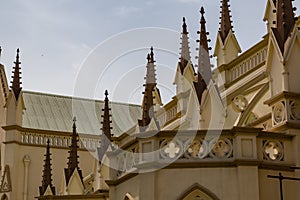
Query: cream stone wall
x=14, y=158
x=232, y=183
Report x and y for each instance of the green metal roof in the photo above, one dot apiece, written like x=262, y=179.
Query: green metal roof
x=55, y=113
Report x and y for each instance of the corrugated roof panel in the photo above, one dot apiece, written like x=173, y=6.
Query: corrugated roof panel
x=54, y=112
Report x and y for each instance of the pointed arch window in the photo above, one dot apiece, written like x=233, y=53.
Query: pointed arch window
x=128, y=197
x=198, y=192
x=4, y=197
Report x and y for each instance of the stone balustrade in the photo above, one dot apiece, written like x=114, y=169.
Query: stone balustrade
x=85, y=142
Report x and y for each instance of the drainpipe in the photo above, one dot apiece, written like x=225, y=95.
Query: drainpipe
x=26, y=161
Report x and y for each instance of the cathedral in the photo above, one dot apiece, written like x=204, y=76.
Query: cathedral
x=231, y=132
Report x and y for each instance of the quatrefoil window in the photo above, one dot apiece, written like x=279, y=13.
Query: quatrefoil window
x=273, y=150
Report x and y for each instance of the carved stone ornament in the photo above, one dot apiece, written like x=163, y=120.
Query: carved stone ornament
x=197, y=149
x=221, y=148
x=171, y=149
x=295, y=110
x=279, y=113
x=273, y=150
x=6, y=181
x=239, y=103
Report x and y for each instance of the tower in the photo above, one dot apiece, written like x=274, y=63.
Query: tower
x=282, y=67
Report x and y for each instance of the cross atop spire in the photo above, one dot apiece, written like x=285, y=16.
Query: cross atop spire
x=285, y=21
x=47, y=180
x=225, y=24
x=185, y=49
x=73, y=155
x=16, y=83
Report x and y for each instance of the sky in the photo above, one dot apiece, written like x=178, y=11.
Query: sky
x=82, y=47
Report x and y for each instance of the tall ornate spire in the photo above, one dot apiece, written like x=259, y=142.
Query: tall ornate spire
x=106, y=128
x=73, y=155
x=16, y=83
x=225, y=24
x=47, y=180
x=185, y=49
x=285, y=21
x=148, y=103
x=204, y=68
x=106, y=137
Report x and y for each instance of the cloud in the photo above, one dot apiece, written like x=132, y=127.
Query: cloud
x=126, y=10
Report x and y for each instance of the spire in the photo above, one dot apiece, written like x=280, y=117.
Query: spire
x=0, y=51
x=285, y=21
x=16, y=83
x=106, y=128
x=203, y=34
x=148, y=103
x=225, y=24
x=185, y=49
x=47, y=180
x=106, y=118
x=204, y=68
x=73, y=155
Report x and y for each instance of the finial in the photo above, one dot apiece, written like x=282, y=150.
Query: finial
x=148, y=57
x=148, y=103
x=203, y=33
x=204, y=71
x=202, y=11
x=285, y=21
x=16, y=83
x=47, y=180
x=184, y=27
x=0, y=51
x=106, y=93
x=185, y=49
x=151, y=55
x=225, y=24
x=73, y=155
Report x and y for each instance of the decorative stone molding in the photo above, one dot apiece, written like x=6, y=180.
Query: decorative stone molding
x=279, y=113
x=57, y=141
x=239, y=103
x=273, y=150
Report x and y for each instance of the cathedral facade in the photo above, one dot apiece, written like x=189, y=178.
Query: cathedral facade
x=229, y=133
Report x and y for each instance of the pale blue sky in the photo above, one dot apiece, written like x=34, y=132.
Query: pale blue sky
x=56, y=37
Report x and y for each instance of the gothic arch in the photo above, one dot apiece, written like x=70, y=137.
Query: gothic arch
x=197, y=191
x=4, y=197
x=128, y=197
